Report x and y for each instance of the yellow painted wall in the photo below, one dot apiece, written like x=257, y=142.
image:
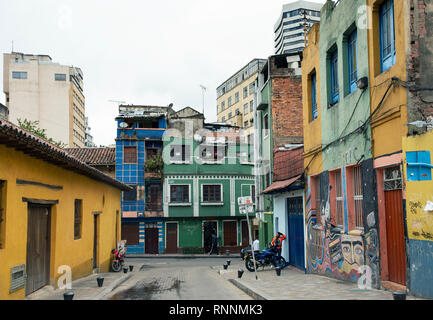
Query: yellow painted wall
x=388, y=125
x=312, y=129
x=65, y=250
x=419, y=222
x=238, y=120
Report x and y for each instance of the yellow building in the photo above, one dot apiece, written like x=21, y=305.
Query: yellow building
x=56, y=213
x=235, y=97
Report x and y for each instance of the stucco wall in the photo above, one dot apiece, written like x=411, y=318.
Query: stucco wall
x=78, y=254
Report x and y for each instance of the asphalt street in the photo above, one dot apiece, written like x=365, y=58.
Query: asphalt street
x=177, y=279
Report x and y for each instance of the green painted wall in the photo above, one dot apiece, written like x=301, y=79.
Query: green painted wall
x=335, y=25
x=190, y=233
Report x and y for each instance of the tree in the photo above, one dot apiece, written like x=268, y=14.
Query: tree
x=33, y=127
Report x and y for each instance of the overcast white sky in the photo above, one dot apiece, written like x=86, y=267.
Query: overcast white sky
x=142, y=52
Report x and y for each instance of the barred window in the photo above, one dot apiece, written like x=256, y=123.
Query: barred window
x=130, y=154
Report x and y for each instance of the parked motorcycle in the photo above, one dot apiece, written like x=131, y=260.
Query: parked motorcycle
x=266, y=257
x=119, y=257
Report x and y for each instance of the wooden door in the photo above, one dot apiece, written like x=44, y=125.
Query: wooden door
x=395, y=236
x=230, y=233
x=38, y=248
x=130, y=233
x=171, y=238
x=151, y=241
x=296, y=232
x=245, y=236
x=95, y=241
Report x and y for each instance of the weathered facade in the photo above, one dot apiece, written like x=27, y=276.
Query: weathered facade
x=278, y=123
x=56, y=214
x=359, y=170
x=206, y=169
x=139, y=164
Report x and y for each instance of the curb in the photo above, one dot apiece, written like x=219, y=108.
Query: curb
x=109, y=289
x=248, y=291
x=178, y=257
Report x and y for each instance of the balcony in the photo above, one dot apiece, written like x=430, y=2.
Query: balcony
x=153, y=210
x=141, y=133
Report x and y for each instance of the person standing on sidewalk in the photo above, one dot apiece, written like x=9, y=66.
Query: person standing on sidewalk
x=256, y=245
x=214, y=246
x=277, y=242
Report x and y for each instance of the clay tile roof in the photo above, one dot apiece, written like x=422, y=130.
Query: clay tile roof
x=94, y=156
x=24, y=141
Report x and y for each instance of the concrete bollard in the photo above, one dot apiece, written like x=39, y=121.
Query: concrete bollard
x=228, y=262
x=225, y=267
x=278, y=270
x=131, y=268
x=125, y=270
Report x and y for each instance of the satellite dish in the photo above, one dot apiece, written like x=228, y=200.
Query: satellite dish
x=123, y=125
x=197, y=137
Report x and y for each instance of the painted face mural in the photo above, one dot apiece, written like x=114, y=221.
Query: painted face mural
x=353, y=250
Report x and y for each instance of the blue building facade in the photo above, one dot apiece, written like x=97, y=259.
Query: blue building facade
x=138, y=164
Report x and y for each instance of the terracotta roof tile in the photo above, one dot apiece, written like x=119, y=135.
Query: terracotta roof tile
x=94, y=156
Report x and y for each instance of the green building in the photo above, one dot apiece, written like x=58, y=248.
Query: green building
x=206, y=169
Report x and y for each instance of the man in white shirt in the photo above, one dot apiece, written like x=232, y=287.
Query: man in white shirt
x=256, y=245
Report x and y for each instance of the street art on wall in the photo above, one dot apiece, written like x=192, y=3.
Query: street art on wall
x=337, y=254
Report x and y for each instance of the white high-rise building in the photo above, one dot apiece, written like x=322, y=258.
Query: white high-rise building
x=289, y=30
x=38, y=89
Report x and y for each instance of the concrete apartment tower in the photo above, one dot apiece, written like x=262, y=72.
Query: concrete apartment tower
x=235, y=98
x=39, y=89
x=290, y=31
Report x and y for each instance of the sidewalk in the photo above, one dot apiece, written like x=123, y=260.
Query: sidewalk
x=294, y=284
x=84, y=288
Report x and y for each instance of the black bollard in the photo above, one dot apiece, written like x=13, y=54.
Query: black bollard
x=278, y=270
x=225, y=267
x=228, y=262
x=399, y=295
x=125, y=270
x=131, y=267
x=68, y=295
x=100, y=281
x=240, y=273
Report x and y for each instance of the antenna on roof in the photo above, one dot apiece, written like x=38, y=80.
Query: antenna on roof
x=12, y=46
x=203, y=89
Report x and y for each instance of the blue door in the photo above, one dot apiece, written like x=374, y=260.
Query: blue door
x=296, y=232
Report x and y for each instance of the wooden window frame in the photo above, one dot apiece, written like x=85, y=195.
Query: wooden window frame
x=78, y=218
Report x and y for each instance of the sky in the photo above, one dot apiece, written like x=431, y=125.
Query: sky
x=142, y=52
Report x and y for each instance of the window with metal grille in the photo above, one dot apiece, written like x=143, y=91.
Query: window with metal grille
x=2, y=213
x=392, y=179
x=316, y=186
x=358, y=197
x=78, y=214
x=339, y=197
x=211, y=193
x=179, y=193
x=130, y=154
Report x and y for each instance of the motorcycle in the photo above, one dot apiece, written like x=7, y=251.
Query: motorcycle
x=266, y=257
x=119, y=257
